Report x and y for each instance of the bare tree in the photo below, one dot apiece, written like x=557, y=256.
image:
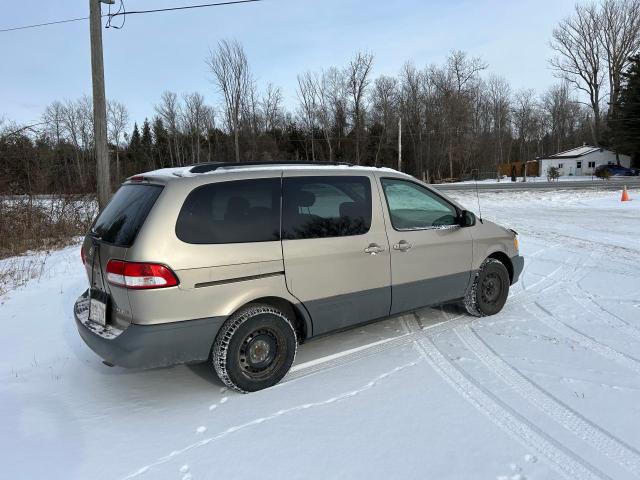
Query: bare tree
x=499, y=93
x=211, y=132
x=324, y=87
x=457, y=85
x=619, y=36
x=170, y=112
x=252, y=116
x=84, y=106
x=385, y=102
x=230, y=70
x=526, y=119
x=308, y=98
x=117, y=124
x=579, y=54
x=271, y=105
x=53, y=117
x=411, y=100
x=562, y=113
x=464, y=70
x=358, y=80
x=194, y=118
x=77, y=121
x=338, y=100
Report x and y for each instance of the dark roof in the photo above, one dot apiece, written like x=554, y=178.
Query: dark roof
x=574, y=152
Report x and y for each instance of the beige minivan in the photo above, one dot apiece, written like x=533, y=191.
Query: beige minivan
x=238, y=263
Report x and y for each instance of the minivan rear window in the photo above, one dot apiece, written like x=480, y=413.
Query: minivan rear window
x=122, y=218
x=241, y=211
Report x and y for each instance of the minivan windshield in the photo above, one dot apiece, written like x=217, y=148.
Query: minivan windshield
x=122, y=218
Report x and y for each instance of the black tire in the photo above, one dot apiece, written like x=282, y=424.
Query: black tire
x=489, y=290
x=254, y=348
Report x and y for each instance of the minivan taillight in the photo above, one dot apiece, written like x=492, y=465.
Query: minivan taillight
x=140, y=276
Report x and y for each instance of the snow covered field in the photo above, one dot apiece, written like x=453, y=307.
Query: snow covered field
x=549, y=388
x=534, y=179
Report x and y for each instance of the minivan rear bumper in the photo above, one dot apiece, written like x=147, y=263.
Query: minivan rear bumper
x=148, y=346
x=518, y=265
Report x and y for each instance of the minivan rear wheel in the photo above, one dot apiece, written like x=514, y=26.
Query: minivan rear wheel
x=254, y=348
x=489, y=290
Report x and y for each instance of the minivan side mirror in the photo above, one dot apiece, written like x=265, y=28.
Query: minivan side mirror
x=467, y=218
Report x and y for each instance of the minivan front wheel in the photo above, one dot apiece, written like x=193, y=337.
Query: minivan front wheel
x=254, y=348
x=489, y=290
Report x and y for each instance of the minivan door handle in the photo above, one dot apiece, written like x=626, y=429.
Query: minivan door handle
x=373, y=249
x=402, y=246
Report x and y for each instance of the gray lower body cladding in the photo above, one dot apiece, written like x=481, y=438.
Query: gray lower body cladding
x=518, y=265
x=190, y=341
x=150, y=346
x=433, y=291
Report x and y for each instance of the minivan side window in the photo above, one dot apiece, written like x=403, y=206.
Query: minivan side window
x=321, y=207
x=413, y=207
x=231, y=212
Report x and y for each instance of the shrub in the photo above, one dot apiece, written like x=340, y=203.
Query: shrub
x=603, y=173
x=553, y=174
x=35, y=225
x=31, y=223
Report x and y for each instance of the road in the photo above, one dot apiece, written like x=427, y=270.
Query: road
x=616, y=183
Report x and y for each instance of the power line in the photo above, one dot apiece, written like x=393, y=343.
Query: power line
x=186, y=7
x=46, y=24
x=170, y=9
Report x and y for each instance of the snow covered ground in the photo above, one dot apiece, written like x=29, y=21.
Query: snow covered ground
x=563, y=178
x=549, y=388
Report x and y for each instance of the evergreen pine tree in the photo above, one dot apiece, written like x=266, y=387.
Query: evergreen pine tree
x=134, y=142
x=135, y=150
x=627, y=124
x=161, y=143
x=146, y=141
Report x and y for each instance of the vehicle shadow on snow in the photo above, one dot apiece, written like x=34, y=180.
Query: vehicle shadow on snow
x=428, y=316
x=206, y=372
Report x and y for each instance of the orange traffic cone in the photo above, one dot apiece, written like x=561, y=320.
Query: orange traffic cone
x=625, y=195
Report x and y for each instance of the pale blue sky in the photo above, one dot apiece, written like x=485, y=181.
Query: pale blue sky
x=166, y=51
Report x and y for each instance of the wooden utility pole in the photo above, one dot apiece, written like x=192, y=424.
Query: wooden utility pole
x=399, y=144
x=99, y=103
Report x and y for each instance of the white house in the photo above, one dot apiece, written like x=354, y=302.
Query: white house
x=581, y=161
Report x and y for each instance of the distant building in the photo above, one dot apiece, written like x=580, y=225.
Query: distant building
x=581, y=161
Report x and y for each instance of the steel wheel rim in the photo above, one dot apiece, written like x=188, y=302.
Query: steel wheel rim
x=260, y=353
x=491, y=288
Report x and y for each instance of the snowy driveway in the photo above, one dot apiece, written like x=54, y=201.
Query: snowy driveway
x=549, y=388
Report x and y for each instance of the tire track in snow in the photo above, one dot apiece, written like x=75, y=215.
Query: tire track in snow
x=344, y=358
x=524, y=288
x=584, y=340
x=620, y=322
x=236, y=428
x=581, y=297
x=561, y=459
x=527, y=264
x=597, y=437
x=565, y=274
x=527, y=289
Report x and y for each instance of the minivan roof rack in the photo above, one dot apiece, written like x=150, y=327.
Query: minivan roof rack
x=212, y=166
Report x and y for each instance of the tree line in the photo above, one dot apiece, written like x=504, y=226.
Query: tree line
x=456, y=117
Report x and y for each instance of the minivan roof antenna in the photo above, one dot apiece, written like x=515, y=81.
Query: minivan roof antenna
x=475, y=172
